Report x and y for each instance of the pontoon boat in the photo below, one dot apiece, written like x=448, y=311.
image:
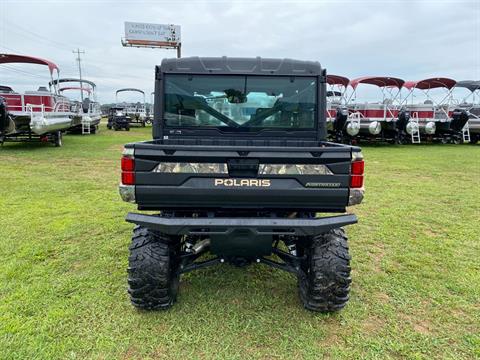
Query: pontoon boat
x=435, y=117
x=39, y=115
x=376, y=120
x=87, y=111
x=471, y=104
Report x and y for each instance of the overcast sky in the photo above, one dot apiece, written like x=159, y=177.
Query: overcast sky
x=406, y=39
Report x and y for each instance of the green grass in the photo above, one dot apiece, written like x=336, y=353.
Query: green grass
x=64, y=248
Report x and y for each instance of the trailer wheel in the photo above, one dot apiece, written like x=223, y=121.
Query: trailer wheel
x=127, y=128
x=58, y=139
x=325, y=282
x=153, y=278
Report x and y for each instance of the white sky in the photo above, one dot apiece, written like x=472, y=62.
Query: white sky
x=406, y=39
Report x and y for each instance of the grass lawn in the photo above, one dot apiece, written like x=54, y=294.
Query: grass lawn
x=64, y=248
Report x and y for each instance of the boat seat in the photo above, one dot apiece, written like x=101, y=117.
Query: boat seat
x=6, y=89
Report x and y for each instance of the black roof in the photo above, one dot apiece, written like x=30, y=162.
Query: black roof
x=129, y=89
x=471, y=85
x=241, y=66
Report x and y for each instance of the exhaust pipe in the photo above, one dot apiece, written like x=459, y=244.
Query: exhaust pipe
x=200, y=246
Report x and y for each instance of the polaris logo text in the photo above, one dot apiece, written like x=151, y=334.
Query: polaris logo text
x=242, y=182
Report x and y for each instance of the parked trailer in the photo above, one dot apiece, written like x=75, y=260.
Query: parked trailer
x=39, y=115
x=376, y=120
x=88, y=113
x=136, y=113
x=471, y=104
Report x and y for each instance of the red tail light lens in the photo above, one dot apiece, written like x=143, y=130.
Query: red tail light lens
x=356, y=177
x=128, y=166
x=128, y=178
x=356, y=181
x=128, y=163
x=358, y=167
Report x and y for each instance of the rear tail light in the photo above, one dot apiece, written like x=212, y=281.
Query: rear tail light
x=128, y=178
x=356, y=181
x=128, y=167
x=357, y=170
x=358, y=167
x=128, y=163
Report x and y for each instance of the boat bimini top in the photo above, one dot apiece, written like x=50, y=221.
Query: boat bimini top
x=430, y=108
x=132, y=108
x=23, y=59
x=87, y=90
x=384, y=110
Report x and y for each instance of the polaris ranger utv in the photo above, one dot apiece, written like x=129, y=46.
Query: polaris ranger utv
x=238, y=171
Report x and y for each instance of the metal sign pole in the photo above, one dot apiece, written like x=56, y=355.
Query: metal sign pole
x=179, y=50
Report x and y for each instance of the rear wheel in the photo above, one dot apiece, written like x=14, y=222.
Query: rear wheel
x=127, y=128
x=325, y=282
x=152, y=272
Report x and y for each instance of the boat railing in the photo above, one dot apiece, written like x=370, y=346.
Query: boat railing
x=61, y=105
x=29, y=108
x=388, y=114
x=93, y=108
x=441, y=113
x=355, y=118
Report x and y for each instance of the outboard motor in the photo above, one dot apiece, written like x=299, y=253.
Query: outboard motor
x=3, y=117
x=86, y=105
x=459, y=119
x=340, y=119
x=403, y=119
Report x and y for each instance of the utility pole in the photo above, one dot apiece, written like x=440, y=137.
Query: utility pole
x=78, y=52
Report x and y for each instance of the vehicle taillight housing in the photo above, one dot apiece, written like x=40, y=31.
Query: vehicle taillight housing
x=128, y=168
x=357, y=172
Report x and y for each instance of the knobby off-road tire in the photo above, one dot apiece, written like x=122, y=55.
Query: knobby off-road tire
x=152, y=272
x=325, y=284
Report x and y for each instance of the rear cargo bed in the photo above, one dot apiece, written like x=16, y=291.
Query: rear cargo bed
x=242, y=187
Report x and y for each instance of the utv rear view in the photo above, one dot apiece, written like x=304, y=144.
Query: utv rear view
x=118, y=119
x=239, y=172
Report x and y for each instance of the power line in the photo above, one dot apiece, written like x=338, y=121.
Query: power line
x=5, y=47
x=32, y=34
x=21, y=71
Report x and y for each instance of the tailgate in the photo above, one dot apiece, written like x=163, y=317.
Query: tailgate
x=176, y=176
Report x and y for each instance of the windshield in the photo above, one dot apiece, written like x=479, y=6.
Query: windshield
x=240, y=102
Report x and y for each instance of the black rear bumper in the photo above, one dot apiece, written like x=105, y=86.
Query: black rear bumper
x=256, y=226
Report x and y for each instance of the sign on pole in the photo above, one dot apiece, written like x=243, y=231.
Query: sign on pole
x=165, y=36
